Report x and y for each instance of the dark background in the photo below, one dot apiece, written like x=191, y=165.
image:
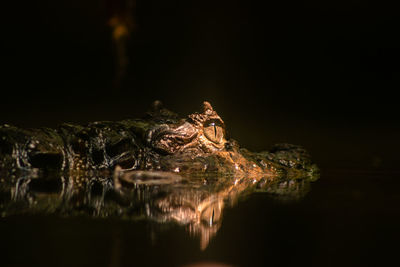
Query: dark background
x=322, y=74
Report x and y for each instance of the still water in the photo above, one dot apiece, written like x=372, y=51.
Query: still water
x=350, y=217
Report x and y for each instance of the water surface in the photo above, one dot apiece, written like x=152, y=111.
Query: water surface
x=349, y=218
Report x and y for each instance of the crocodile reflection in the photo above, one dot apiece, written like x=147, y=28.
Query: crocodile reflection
x=198, y=201
x=160, y=167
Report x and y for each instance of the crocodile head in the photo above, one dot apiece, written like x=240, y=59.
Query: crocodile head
x=199, y=143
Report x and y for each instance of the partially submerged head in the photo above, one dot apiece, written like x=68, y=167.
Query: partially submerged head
x=199, y=143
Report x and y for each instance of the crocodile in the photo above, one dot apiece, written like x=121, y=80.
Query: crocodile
x=161, y=167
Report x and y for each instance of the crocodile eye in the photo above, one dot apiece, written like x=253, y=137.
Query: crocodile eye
x=214, y=132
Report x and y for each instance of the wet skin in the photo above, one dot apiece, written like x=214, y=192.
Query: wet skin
x=118, y=168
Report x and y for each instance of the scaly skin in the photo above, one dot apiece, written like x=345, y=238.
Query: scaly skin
x=160, y=141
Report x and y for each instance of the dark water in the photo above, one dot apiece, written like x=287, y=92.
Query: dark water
x=350, y=218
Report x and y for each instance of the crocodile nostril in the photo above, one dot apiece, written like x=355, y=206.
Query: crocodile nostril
x=228, y=146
